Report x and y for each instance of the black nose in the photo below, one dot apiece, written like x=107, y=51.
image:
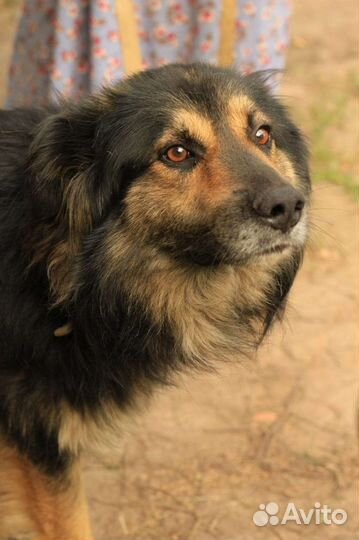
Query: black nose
x=281, y=207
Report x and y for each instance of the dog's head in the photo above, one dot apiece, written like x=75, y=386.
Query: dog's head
x=188, y=167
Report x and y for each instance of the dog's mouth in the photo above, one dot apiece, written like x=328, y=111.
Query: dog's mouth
x=294, y=239
x=209, y=260
x=236, y=246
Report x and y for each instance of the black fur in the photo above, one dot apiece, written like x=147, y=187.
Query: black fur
x=110, y=353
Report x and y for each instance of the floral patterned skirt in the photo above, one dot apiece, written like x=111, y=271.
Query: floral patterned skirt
x=72, y=47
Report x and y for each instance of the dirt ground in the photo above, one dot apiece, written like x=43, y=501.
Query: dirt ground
x=282, y=427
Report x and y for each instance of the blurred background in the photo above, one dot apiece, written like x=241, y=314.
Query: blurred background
x=281, y=428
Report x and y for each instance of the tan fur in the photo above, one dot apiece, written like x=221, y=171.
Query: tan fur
x=238, y=110
x=63, y=330
x=199, y=303
x=77, y=207
x=36, y=507
x=197, y=126
x=60, y=268
x=207, y=185
x=97, y=431
x=200, y=306
x=285, y=166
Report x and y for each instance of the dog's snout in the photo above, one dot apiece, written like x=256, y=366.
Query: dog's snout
x=281, y=207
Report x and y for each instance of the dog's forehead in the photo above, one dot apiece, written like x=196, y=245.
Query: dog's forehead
x=201, y=123
x=194, y=123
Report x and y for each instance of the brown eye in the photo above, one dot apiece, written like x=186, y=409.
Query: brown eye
x=177, y=154
x=263, y=135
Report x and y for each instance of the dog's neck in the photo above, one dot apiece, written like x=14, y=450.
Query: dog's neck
x=211, y=313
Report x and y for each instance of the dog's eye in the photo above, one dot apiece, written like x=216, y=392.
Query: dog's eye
x=177, y=154
x=263, y=135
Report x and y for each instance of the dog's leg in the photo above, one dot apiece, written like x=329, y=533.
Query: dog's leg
x=38, y=507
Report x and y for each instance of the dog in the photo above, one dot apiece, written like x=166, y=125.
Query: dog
x=152, y=228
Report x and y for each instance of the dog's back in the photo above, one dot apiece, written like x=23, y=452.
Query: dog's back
x=16, y=133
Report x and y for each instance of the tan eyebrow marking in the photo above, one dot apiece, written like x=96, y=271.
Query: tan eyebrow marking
x=239, y=108
x=197, y=126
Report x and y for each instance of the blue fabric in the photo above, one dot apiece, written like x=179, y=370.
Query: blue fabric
x=72, y=47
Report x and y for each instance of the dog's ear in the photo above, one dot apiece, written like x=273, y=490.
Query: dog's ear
x=267, y=79
x=63, y=189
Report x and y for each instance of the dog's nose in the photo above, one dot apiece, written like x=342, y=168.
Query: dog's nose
x=281, y=207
